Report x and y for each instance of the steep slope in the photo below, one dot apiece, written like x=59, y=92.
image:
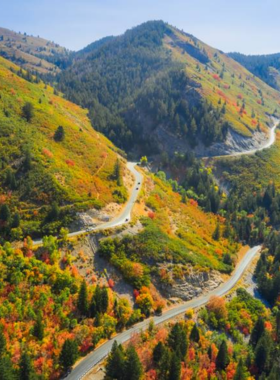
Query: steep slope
x=38, y=165
x=33, y=53
x=161, y=89
x=266, y=67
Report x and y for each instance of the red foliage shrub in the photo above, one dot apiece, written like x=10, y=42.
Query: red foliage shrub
x=151, y=215
x=239, y=96
x=136, y=293
x=268, y=326
x=216, y=77
x=219, y=92
x=193, y=202
x=111, y=283
x=47, y=153
x=70, y=162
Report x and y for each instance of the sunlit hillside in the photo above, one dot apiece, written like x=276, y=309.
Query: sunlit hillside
x=223, y=80
x=37, y=166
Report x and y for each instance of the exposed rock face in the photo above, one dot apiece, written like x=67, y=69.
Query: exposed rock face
x=163, y=140
x=193, y=284
x=234, y=143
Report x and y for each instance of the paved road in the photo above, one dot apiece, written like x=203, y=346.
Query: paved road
x=267, y=144
x=96, y=356
x=124, y=217
x=100, y=353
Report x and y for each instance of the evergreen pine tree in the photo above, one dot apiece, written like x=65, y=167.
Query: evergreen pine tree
x=117, y=173
x=59, y=134
x=274, y=373
x=222, y=360
x=5, y=213
x=69, y=353
x=227, y=230
x=38, y=329
x=240, y=373
x=177, y=341
x=83, y=299
x=104, y=300
x=158, y=352
x=133, y=366
x=53, y=213
x=3, y=342
x=7, y=371
x=263, y=353
x=16, y=220
x=217, y=233
x=27, y=161
x=115, y=366
x=28, y=111
x=175, y=368
x=194, y=335
x=26, y=371
x=257, y=332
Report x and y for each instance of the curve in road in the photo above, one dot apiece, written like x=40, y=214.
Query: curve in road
x=100, y=353
x=267, y=144
x=125, y=215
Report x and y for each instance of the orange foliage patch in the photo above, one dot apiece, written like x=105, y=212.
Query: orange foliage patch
x=47, y=153
x=216, y=77
x=70, y=162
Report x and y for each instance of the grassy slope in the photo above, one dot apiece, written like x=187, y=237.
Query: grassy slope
x=71, y=169
x=228, y=88
x=33, y=52
x=181, y=231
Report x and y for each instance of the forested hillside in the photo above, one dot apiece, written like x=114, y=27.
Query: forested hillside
x=266, y=67
x=156, y=85
x=32, y=53
x=50, y=156
x=235, y=340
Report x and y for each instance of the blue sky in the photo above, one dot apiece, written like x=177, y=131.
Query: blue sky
x=248, y=26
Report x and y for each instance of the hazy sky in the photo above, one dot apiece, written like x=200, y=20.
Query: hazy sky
x=248, y=26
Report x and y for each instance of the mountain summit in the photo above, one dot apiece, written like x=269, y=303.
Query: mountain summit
x=160, y=89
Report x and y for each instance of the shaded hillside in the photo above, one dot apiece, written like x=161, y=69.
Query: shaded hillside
x=33, y=53
x=156, y=83
x=49, y=150
x=266, y=67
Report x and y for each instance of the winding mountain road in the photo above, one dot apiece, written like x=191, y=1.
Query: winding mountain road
x=271, y=140
x=101, y=352
x=85, y=365
x=268, y=143
x=125, y=215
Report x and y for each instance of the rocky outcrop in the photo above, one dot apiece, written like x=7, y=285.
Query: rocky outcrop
x=191, y=285
x=234, y=143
